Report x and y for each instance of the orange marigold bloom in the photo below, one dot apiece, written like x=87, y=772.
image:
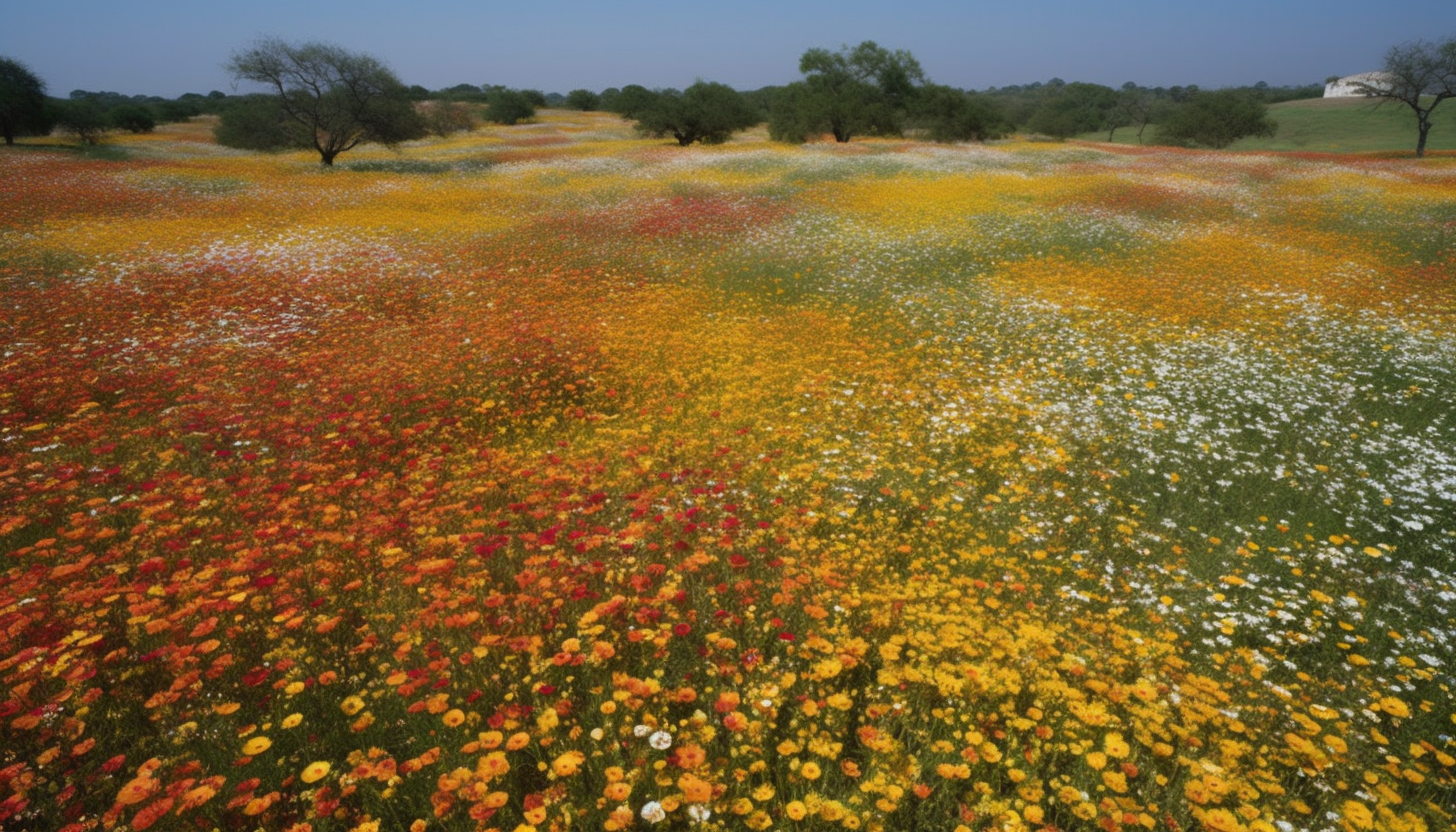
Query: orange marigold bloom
x=137, y=790
x=567, y=764
x=453, y=718
x=691, y=756
x=695, y=789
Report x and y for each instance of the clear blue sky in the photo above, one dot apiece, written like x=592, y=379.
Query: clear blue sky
x=168, y=47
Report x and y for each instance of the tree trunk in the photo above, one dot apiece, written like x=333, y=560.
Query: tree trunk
x=327, y=157
x=1424, y=126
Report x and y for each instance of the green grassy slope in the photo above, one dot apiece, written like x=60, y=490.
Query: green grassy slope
x=1337, y=125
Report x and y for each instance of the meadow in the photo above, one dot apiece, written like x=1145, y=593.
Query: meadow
x=1332, y=125
x=550, y=478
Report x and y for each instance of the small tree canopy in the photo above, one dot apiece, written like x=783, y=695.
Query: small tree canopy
x=1216, y=119
x=947, y=114
x=133, y=118
x=83, y=118
x=705, y=112
x=505, y=106
x=866, y=90
x=1074, y=108
x=330, y=99
x=255, y=122
x=584, y=100
x=22, y=101
x=631, y=101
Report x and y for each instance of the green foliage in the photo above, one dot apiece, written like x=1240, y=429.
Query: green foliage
x=462, y=92
x=334, y=99
x=83, y=118
x=256, y=122
x=629, y=102
x=22, y=101
x=866, y=90
x=133, y=118
x=1216, y=119
x=584, y=100
x=1074, y=108
x=946, y=114
x=444, y=118
x=705, y=112
x=504, y=106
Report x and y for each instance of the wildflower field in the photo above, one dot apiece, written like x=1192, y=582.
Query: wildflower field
x=550, y=478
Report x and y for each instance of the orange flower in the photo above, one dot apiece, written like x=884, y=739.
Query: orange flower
x=453, y=718
x=690, y=756
x=568, y=763
x=695, y=789
x=137, y=790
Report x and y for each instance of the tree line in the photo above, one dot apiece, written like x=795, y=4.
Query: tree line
x=329, y=99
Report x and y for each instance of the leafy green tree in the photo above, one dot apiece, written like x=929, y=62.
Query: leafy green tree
x=505, y=106
x=705, y=112
x=133, y=118
x=866, y=90
x=1216, y=119
x=22, y=101
x=631, y=101
x=83, y=118
x=254, y=122
x=462, y=92
x=1419, y=74
x=1134, y=108
x=1074, y=108
x=330, y=99
x=584, y=100
x=444, y=118
x=947, y=114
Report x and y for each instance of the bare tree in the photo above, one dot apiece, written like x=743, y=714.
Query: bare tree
x=1419, y=74
x=328, y=98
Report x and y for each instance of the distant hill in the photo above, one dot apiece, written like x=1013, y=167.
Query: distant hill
x=1336, y=125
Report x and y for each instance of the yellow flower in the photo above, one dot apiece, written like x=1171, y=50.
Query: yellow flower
x=796, y=810
x=314, y=772
x=352, y=705
x=256, y=745
x=1115, y=746
x=292, y=720
x=809, y=771
x=568, y=763
x=453, y=717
